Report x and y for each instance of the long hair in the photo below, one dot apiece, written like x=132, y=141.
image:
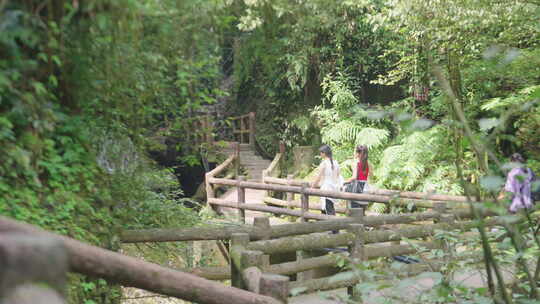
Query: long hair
x=363, y=152
x=517, y=158
x=326, y=150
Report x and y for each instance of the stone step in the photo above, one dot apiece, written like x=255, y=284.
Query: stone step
x=253, y=159
x=257, y=166
x=255, y=162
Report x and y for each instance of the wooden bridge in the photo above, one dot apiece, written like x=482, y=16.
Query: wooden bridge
x=270, y=259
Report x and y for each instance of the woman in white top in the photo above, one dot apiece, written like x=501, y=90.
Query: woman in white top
x=329, y=178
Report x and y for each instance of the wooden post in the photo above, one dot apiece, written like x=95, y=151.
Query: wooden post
x=208, y=130
x=241, y=199
x=448, y=219
x=263, y=223
x=237, y=159
x=275, y=286
x=252, y=129
x=242, y=128
x=209, y=188
x=33, y=269
x=440, y=208
x=265, y=261
x=239, y=241
x=357, y=213
x=305, y=201
x=357, y=254
x=290, y=195
x=250, y=268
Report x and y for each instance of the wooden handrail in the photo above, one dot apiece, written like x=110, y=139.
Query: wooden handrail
x=265, y=208
x=317, y=192
x=132, y=272
x=425, y=196
x=318, y=241
x=277, y=231
x=222, y=166
x=273, y=165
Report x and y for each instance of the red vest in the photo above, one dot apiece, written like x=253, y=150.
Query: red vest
x=362, y=175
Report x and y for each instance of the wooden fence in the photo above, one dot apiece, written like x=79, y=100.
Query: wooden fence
x=46, y=261
x=251, y=247
x=272, y=175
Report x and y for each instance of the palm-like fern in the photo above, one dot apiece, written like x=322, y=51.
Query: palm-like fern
x=414, y=164
x=351, y=132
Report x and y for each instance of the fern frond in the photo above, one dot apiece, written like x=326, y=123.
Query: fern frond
x=372, y=137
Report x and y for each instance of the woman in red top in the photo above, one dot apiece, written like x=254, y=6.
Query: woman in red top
x=360, y=171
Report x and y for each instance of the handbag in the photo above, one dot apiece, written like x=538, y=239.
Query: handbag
x=355, y=186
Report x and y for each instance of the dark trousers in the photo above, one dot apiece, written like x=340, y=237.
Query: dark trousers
x=329, y=208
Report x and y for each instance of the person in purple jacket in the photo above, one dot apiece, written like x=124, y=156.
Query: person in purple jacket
x=518, y=183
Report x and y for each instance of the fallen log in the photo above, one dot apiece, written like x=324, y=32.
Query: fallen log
x=129, y=271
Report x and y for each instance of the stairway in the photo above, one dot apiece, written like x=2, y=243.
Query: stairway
x=251, y=161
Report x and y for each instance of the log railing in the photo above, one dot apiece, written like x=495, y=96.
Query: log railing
x=28, y=261
x=305, y=191
x=256, y=232
x=272, y=175
x=232, y=161
x=250, y=250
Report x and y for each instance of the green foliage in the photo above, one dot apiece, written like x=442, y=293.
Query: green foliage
x=83, y=86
